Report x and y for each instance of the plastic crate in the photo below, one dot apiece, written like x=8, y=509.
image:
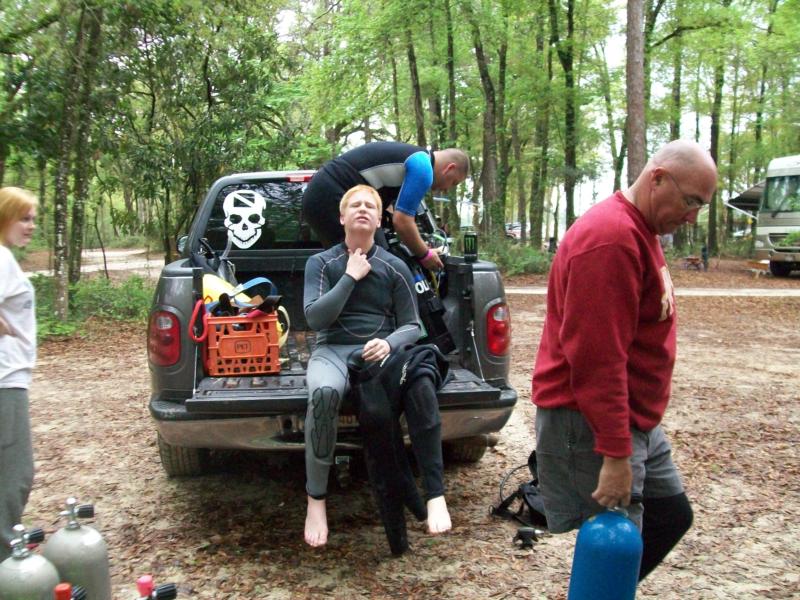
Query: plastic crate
x=242, y=346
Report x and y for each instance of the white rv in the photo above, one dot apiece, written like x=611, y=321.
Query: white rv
x=778, y=229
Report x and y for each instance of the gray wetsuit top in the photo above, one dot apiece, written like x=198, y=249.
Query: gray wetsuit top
x=345, y=311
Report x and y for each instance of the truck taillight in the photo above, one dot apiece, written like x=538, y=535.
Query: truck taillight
x=163, y=339
x=300, y=177
x=498, y=329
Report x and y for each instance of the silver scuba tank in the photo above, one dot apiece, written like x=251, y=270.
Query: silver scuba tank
x=148, y=591
x=26, y=575
x=79, y=553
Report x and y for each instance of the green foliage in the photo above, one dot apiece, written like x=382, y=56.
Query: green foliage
x=793, y=239
x=128, y=300
x=514, y=258
x=737, y=247
x=187, y=91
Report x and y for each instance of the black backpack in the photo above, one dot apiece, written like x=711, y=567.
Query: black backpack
x=530, y=511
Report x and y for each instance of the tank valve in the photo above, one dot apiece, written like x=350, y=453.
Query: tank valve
x=148, y=591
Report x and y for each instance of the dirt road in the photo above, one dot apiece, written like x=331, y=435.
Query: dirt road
x=237, y=533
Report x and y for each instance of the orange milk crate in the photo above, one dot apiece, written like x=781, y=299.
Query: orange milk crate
x=242, y=346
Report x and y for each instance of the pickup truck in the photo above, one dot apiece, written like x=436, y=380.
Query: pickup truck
x=255, y=220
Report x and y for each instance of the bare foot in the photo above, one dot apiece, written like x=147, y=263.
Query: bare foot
x=438, y=517
x=316, y=533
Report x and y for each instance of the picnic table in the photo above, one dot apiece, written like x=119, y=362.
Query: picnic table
x=693, y=262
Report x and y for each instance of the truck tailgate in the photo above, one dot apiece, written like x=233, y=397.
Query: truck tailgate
x=286, y=393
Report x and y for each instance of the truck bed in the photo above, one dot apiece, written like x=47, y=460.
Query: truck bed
x=286, y=392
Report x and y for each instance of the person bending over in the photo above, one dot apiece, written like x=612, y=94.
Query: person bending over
x=402, y=174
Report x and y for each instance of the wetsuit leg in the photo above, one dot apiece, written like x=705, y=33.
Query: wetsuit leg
x=327, y=382
x=321, y=208
x=386, y=460
x=425, y=430
x=664, y=523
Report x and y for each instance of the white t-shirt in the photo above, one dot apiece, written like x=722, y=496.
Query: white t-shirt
x=17, y=352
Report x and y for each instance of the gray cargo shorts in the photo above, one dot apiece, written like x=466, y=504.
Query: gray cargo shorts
x=568, y=468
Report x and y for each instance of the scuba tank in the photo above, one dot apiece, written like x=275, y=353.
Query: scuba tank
x=431, y=309
x=147, y=591
x=608, y=553
x=25, y=575
x=64, y=591
x=431, y=313
x=79, y=553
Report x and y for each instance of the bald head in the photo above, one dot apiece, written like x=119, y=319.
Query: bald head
x=683, y=156
x=450, y=167
x=674, y=185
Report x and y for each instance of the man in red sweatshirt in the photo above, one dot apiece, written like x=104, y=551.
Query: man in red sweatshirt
x=603, y=372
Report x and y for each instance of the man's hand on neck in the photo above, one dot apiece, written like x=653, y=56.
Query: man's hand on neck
x=357, y=264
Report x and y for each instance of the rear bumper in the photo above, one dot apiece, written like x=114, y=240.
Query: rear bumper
x=283, y=430
x=785, y=256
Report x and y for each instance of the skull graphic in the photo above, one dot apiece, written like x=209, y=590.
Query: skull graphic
x=244, y=217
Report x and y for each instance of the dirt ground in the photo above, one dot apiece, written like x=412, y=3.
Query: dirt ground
x=237, y=532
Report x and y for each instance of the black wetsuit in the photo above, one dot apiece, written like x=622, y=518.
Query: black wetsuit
x=402, y=174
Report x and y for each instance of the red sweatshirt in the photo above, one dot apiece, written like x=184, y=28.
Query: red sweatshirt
x=608, y=345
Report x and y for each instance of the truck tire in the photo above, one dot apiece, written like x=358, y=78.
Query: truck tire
x=178, y=461
x=780, y=269
x=466, y=450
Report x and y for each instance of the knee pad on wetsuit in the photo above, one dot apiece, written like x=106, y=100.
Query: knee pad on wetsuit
x=324, y=410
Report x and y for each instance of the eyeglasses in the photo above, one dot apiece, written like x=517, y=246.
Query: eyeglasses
x=691, y=202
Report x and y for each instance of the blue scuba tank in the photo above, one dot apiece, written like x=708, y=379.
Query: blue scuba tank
x=608, y=553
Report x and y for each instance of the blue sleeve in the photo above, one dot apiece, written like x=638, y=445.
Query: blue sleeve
x=416, y=183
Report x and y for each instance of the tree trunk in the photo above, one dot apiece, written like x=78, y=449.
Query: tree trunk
x=611, y=126
x=87, y=66
x=66, y=143
x=516, y=144
x=100, y=241
x=762, y=94
x=719, y=81
x=395, y=98
x=716, y=116
x=635, y=123
x=434, y=102
x=651, y=11
x=677, y=75
x=732, y=143
x=41, y=168
x=166, y=238
x=452, y=135
x=3, y=157
x=493, y=221
x=419, y=116
x=541, y=144
x=680, y=235
x=566, y=55
x=504, y=167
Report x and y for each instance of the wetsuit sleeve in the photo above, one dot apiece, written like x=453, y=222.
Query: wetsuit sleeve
x=322, y=304
x=416, y=183
x=405, y=306
x=600, y=316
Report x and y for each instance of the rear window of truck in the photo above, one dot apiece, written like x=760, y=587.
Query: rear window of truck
x=259, y=216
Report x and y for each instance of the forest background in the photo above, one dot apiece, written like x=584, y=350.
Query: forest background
x=120, y=115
